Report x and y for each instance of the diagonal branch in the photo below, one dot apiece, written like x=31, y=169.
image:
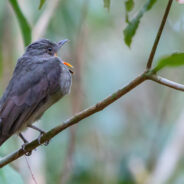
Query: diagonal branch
x=74, y=120
x=88, y=112
x=157, y=39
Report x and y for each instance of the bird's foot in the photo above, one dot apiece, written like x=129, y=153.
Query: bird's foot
x=41, y=134
x=23, y=147
x=39, y=139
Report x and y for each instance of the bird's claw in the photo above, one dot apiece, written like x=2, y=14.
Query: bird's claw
x=46, y=143
x=27, y=153
x=39, y=139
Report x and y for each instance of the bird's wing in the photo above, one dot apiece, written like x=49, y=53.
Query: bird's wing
x=27, y=91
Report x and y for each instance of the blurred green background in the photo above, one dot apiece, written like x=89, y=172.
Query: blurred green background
x=136, y=140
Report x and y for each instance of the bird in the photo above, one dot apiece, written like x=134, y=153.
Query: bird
x=39, y=80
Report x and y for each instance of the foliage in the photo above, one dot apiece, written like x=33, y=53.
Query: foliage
x=132, y=26
x=107, y=4
x=24, y=26
x=129, y=5
x=41, y=4
x=174, y=60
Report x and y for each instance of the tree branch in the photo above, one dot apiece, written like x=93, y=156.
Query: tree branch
x=74, y=120
x=88, y=112
x=102, y=104
x=166, y=82
x=157, y=39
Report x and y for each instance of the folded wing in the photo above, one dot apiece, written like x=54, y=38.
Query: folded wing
x=28, y=90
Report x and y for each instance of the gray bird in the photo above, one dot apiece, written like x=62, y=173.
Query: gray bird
x=39, y=80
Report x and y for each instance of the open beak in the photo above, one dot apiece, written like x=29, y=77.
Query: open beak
x=60, y=44
x=68, y=64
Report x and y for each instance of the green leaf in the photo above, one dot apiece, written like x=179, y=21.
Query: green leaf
x=41, y=3
x=174, y=60
x=8, y=175
x=129, y=5
x=130, y=30
x=132, y=26
x=25, y=28
x=107, y=4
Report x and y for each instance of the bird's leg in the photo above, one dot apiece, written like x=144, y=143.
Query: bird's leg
x=41, y=133
x=36, y=128
x=23, y=138
x=25, y=143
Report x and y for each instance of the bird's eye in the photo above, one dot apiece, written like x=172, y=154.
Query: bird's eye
x=50, y=49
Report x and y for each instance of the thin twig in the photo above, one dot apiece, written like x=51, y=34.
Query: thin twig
x=29, y=167
x=166, y=82
x=160, y=30
x=74, y=120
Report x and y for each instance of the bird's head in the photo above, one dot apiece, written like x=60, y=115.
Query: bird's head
x=45, y=48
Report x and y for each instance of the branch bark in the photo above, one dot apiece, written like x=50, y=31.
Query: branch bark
x=74, y=120
x=90, y=111
x=166, y=82
x=157, y=39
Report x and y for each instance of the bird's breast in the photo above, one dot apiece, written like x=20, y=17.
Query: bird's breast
x=65, y=80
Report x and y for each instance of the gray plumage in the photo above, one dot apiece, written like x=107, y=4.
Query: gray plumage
x=39, y=80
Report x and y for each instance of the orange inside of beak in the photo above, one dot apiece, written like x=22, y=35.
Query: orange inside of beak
x=65, y=63
x=68, y=64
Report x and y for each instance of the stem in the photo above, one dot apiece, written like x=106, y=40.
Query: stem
x=74, y=120
x=166, y=82
x=157, y=39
